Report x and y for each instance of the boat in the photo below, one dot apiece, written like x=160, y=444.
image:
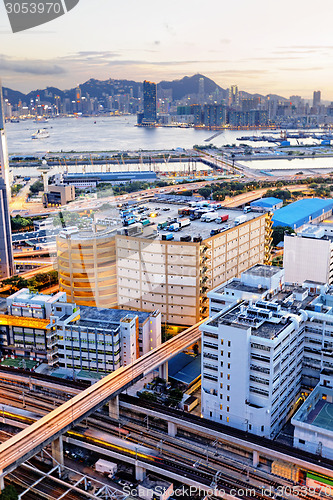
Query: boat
x=41, y=119
x=41, y=133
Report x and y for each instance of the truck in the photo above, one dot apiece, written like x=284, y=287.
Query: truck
x=129, y=221
x=163, y=225
x=221, y=219
x=182, y=212
x=145, y=222
x=106, y=467
x=209, y=217
x=247, y=209
x=186, y=238
x=240, y=219
x=175, y=226
x=167, y=237
x=184, y=222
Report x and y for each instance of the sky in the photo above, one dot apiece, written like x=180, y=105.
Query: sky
x=283, y=47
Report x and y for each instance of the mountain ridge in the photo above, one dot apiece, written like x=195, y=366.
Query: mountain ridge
x=182, y=87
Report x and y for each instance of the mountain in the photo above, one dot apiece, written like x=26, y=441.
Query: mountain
x=101, y=88
x=190, y=85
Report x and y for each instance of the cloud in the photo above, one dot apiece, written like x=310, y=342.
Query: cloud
x=313, y=68
x=32, y=67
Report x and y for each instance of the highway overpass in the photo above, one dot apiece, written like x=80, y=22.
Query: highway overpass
x=28, y=442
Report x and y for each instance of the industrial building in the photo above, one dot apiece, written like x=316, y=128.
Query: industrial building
x=144, y=271
x=58, y=195
x=92, y=179
x=302, y=212
x=263, y=342
x=51, y=330
x=309, y=254
x=269, y=203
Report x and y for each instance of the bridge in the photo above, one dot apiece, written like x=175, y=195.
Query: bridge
x=50, y=428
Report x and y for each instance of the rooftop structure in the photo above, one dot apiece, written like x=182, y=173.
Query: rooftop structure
x=269, y=203
x=314, y=420
x=185, y=369
x=260, y=345
x=302, y=212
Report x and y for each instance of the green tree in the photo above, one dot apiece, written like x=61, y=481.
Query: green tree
x=9, y=493
x=16, y=283
x=279, y=232
x=205, y=192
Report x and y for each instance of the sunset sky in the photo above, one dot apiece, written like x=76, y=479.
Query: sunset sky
x=283, y=47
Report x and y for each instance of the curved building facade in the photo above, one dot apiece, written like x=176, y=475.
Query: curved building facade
x=87, y=268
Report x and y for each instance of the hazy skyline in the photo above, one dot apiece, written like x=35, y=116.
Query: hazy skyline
x=282, y=48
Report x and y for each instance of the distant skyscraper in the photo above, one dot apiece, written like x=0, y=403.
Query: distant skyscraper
x=316, y=98
x=201, y=90
x=233, y=96
x=149, y=102
x=6, y=251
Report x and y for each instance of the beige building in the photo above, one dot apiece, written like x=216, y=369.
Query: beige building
x=145, y=272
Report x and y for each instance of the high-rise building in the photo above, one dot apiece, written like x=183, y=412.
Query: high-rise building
x=201, y=93
x=149, y=102
x=6, y=252
x=233, y=96
x=316, y=98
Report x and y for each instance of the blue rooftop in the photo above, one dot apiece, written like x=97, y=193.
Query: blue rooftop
x=185, y=368
x=301, y=212
x=269, y=202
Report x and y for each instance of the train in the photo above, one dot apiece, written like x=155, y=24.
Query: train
x=116, y=444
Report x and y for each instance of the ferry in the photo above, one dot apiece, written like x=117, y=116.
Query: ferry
x=41, y=133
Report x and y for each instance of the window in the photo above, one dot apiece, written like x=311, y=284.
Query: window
x=227, y=408
x=228, y=377
x=221, y=341
x=250, y=427
x=220, y=417
x=221, y=374
x=221, y=396
x=229, y=354
x=228, y=387
x=221, y=364
x=229, y=366
x=228, y=398
x=221, y=353
x=221, y=385
x=301, y=441
x=262, y=428
x=229, y=343
x=220, y=407
x=228, y=419
x=210, y=413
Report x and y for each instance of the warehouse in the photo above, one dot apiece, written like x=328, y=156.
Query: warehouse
x=302, y=212
x=269, y=203
x=92, y=179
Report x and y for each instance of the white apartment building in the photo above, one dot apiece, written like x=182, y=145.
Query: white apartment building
x=309, y=255
x=267, y=341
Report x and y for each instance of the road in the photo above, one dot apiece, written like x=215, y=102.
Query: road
x=25, y=444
